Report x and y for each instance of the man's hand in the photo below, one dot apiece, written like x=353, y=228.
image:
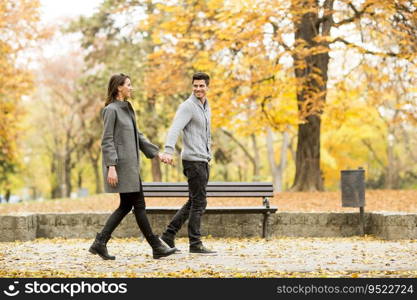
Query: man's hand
x=166, y=158
x=112, y=176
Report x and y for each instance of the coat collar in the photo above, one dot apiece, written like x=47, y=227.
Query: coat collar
x=122, y=103
x=198, y=102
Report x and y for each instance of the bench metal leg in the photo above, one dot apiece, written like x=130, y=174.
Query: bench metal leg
x=265, y=202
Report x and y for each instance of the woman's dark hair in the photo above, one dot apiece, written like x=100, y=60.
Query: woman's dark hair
x=112, y=89
x=201, y=76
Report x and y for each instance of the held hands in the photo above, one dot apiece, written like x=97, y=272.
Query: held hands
x=166, y=158
x=112, y=176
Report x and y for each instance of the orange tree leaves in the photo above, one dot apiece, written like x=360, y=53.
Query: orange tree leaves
x=18, y=27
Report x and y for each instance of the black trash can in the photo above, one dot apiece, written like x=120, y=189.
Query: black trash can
x=353, y=188
x=353, y=193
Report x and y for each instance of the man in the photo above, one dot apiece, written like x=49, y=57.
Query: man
x=193, y=119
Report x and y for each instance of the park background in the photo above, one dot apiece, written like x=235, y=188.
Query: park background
x=300, y=91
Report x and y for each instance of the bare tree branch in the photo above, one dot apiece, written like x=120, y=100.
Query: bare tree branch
x=357, y=15
x=366, y=51
x=239, y=144
x=370, y=148
x=278, y=37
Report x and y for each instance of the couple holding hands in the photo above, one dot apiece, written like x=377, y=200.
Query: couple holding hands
x=120, y=145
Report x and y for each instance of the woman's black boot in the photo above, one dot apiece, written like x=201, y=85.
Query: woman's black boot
x=99, y=246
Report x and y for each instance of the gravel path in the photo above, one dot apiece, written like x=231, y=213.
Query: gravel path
x=277, y=257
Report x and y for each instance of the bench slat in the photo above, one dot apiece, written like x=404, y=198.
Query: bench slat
x=215, y=189
x=209, y=188
x=211, y=183
x=215, y=210
x=237, y=194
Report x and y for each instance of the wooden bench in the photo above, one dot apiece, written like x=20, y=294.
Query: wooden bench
x=264, y=190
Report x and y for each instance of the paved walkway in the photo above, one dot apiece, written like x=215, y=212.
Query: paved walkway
x=278, y=257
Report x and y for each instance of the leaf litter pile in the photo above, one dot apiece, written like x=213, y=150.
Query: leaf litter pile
x=245, y=257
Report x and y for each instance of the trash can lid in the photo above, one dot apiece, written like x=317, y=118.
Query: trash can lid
x=356, y=170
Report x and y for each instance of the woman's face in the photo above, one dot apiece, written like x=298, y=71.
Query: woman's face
x=125, y=90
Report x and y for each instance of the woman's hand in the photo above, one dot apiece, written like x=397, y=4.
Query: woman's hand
x=112, y=176
x=166, y=158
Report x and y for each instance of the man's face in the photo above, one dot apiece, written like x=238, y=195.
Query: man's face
x=200, y=89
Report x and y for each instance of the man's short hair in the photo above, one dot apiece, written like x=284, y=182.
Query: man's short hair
x=201, y=76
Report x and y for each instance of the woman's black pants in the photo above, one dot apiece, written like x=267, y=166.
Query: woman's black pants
x=128, y=201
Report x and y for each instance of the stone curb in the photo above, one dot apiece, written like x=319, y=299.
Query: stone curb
x=388, y=226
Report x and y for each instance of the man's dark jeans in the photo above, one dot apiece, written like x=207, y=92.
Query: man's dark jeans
x=197, y=174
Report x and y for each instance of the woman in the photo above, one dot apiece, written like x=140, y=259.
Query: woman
x=120, y=146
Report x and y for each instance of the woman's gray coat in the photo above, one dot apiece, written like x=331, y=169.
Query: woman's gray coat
x=120, y=147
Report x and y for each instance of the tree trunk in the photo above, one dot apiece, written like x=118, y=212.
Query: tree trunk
x=80, y=179
x=311, y=73
x=256, y=166
x=55, y=187
x=61, y=176
x=392, y=176
x=67, y=172
x=252, y=159
x=308, y=176
x=225, y=174
x=283, y=157
x=276, y=180
x=152, y=133
x=277, y=171
x=7, y=195
x=96, y=169
x=34, y=193
x=152, y=116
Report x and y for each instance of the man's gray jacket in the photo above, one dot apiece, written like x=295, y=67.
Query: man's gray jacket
x=194, y=120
